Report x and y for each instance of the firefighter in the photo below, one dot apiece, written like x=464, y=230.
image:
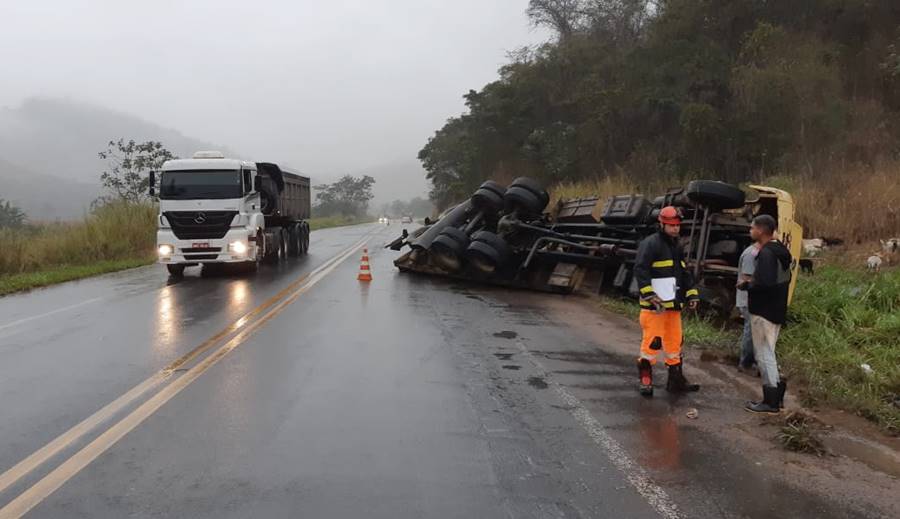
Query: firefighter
x=665, y=286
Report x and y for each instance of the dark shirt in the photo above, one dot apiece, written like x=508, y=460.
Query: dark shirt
x=771, y=283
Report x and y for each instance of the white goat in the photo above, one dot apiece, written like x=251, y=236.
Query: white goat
x=813, y=247
x=891, y=246
x=873, y=264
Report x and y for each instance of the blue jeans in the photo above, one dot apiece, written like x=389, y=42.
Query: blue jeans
x=747, y=357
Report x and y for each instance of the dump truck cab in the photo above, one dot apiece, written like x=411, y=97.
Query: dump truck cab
x=218, y=210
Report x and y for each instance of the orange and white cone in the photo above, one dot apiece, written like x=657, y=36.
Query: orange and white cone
x=364, y=273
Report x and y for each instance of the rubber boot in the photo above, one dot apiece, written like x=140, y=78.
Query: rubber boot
x=782, y=387
x=676, y=382
x=645, y=375
x=769, y=403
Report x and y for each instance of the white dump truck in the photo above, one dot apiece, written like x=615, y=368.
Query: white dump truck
x=218, y=210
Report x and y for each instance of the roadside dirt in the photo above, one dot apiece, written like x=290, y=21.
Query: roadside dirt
x=861, y=465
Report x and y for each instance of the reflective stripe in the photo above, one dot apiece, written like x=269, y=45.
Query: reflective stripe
x=683, y=264
x=648, y=356
x=673, y=355
x=692, y=292
x=647, y=289
x=668, y=304
x=663, y=264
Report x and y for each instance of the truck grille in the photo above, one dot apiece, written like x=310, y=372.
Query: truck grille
x=200, y=225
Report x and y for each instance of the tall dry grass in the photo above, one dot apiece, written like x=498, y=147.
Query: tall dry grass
x=113, y=232
x=859, y=205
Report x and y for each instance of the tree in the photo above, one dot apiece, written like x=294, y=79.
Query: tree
x=10, y=215
x=129, y=163
x=348, y=196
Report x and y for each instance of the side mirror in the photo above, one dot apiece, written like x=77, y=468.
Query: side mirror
x=152, y=183
x=257, y=183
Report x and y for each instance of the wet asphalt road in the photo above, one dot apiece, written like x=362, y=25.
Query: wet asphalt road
x=307, y=394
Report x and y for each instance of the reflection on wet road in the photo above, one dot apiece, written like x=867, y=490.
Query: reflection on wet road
x=300, y=392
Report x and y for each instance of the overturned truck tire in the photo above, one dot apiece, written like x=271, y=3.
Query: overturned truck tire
x=487, y=252
x=715, y=194
x=526, y=197
x=448, y=248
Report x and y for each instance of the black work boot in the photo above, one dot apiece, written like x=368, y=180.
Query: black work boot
x=645, y=374
x=769, y=404
x=782, y=387
x=676, y=382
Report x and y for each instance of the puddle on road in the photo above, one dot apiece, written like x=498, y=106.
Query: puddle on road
x=537, y=382
x=512, y=367
x=504, y=356
x=506, y=334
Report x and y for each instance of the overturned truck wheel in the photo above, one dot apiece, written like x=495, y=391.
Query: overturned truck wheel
x=488, y=199
x=448, y=248
x=715, y=194
x=487, y=252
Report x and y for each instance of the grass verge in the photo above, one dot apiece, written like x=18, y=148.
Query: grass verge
x=20, y=282
x=325, y=222
x=840, y=342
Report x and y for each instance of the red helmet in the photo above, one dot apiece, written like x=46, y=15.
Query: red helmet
x=669, y=216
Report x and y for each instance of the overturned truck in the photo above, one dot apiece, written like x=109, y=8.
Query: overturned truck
x=502, y=235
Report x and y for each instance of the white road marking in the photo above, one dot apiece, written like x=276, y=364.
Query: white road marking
x=636, y=475
x=52, y=312
x=22, y=504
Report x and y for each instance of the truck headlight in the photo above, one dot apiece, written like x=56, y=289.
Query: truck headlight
x=166, y=250
x=238, y=247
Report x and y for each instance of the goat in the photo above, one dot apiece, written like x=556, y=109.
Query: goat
x=813, y=246
x=890, y=246
x=873, y=264
x=806, y=266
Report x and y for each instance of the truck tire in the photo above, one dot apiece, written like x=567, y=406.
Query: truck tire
x=294, y=238
x=535, y=187
x=448, y=248
x=715, y=194
x=272, y=248
x=487, y=252
x=487, y=201
x=176, y=271
x=304, y=238
x=523, y=201
x=285, y=240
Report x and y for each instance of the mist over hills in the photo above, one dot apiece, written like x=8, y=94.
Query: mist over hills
x=49, y=165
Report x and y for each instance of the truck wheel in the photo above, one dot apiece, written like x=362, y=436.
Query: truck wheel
x=285, y=240
x=305, y=234
x=294, y=247
x=447, y=249
x=273, y=248
x=715, y=194
x=535, y=187
x=523, y=201
x=487, y=201
x=487, y=252
x=176, y=271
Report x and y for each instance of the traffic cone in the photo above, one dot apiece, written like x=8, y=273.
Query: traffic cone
x=364, y=273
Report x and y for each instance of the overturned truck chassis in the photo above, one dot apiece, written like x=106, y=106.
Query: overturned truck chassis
x=501, y=236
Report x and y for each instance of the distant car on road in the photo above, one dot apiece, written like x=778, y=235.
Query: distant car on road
x=384, y=219
x=406, y=219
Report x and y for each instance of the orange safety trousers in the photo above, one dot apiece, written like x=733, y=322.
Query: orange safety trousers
x=666, y=326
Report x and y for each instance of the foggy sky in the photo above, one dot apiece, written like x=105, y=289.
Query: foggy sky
x=329, y=87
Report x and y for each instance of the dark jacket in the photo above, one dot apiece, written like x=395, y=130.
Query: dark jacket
x=660, y=257
x=771, y=283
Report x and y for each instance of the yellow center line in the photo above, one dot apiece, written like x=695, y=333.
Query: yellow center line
x=72, y=435
x=72, y=466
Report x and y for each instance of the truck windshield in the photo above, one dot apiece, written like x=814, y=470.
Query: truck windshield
x=200, y=184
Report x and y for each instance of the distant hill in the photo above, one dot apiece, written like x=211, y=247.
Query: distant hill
x=55, y=141
x=43, y=197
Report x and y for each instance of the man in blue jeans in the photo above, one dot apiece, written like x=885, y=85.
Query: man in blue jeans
x=746, y=266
